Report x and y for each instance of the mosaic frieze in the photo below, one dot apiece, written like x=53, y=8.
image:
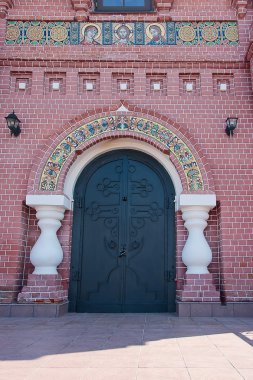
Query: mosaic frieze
x=111, y=33
x=108, y=125
x=35, y=33
x=210, y=33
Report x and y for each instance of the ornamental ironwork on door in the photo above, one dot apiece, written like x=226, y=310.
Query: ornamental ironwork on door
x=123, y=236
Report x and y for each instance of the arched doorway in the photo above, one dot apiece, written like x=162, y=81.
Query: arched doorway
x=123, y=246
x=58, y=169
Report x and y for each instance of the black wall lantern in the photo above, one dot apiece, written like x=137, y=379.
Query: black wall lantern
x=13, y=123
x=231, y=125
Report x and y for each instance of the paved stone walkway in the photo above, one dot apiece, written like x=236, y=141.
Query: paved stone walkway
x=126, y=347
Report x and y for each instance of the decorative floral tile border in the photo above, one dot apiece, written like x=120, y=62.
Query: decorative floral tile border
x=109, y=33
x=106, y=126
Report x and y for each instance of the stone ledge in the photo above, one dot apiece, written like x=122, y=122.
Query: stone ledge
x=214, y=309
x=33, y=310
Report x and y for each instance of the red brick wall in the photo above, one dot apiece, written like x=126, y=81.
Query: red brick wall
x=203, y=116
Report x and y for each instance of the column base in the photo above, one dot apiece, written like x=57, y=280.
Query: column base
x=41, y=288
x=199, y=288
x=9, y=296
x=30, y=310
x=215, y=309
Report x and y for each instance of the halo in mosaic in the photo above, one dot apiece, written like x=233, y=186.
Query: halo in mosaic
x=156, y=34
x=121, y=124
x=115, y=33
x=91, y=34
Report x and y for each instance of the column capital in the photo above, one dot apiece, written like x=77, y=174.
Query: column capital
x=34, y=200
x=205, y=200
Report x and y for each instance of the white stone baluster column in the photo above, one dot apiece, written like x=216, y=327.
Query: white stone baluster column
x=196, y=254
x=47, y=252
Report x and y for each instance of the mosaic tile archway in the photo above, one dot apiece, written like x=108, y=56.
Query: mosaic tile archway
x=106, y=127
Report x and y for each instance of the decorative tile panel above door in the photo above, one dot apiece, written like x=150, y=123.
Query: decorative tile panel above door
x=112, y=33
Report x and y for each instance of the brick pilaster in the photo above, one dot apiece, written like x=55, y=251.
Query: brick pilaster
x=46, y=288
x=199, y=288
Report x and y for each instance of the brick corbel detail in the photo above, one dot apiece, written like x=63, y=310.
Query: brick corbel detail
x=5, y=5
x=82, y=9
x=241, y=7
x=163, y=8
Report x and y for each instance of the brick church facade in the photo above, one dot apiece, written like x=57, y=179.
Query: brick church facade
x=129, y=188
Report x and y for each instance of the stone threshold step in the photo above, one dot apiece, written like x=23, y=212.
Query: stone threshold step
x=214, y=309
x=33, y=309
x=184, y=309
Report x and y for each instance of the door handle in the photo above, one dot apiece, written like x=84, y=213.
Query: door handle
x=122, y=252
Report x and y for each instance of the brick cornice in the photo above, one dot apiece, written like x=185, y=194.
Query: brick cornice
x=5, y=5
x=241, y=7
x=82, y=9
x=142, y=62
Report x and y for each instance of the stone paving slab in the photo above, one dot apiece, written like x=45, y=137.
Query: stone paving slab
x=126, y=347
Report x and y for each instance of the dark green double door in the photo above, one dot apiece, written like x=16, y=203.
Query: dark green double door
x=123, y=236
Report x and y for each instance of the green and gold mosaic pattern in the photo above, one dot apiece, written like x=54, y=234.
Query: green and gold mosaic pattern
x=121, y=124
x=112, y=33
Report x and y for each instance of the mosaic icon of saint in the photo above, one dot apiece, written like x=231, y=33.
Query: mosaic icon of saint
x=156, y=34
x=91, y=33
x=123, y=33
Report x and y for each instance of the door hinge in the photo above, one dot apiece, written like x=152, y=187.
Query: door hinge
x=75, y=276
x=79, y=202
x=169, y=275
x=171, y=203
